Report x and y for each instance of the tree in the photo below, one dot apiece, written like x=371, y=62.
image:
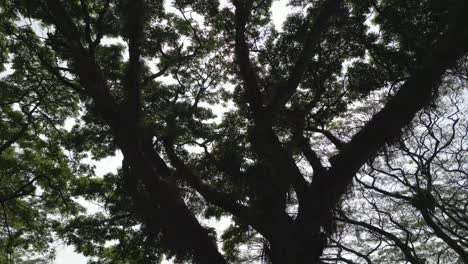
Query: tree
x=412, y=196
x=146, y=78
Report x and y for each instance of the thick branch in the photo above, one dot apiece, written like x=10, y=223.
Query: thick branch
x=89, y=72
x=264, y=139
x=135, y=23
x=211, y=195
x=312, y=157
x=386, y=125
x=144, y=164
x=248, y=74
x=333, y=139
x=317, y=28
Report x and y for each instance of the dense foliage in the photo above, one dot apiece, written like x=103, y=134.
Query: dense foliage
x=338, y=137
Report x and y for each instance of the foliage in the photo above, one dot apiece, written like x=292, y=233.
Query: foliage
x=324, y=139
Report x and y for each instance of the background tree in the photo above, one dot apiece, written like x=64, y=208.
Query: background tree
x=411, y=197
x=147, y=78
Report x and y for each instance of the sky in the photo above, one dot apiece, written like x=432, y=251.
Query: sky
x=66, y=254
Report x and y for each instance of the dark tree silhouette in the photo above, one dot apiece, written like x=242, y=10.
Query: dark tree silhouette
x=146, y=77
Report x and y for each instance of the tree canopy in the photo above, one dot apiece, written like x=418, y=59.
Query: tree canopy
x=338, y=137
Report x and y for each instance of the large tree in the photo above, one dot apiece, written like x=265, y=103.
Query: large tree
x=152, y=79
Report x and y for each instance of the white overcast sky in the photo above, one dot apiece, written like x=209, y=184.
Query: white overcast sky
x=66, y=254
